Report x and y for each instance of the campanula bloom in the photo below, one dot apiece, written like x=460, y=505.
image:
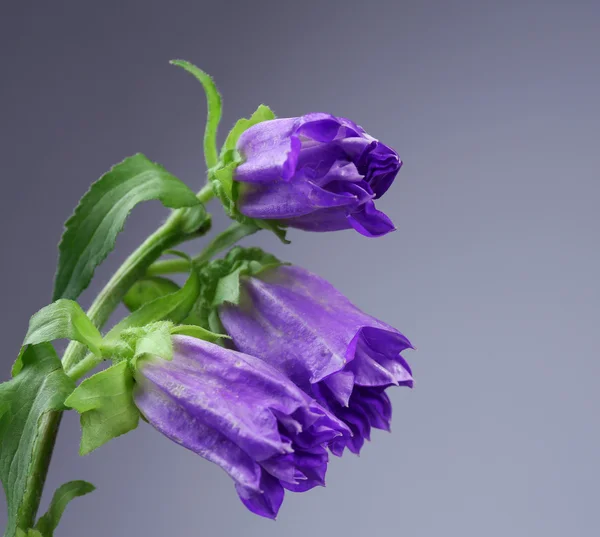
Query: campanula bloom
x=317, y=172
x=240, y=413
x=302, y=325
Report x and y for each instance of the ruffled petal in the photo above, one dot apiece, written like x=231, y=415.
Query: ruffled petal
x=266, y=502
x=319, y=127
x=380, y=167
x=370, y=222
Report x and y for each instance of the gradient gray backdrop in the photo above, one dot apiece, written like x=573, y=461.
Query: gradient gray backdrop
x=493, y=272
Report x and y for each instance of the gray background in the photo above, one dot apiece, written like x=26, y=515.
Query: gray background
x=493, y=271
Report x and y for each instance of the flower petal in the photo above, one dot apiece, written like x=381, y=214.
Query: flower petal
x=370, y=222
x=266, y=502
x=270, y=151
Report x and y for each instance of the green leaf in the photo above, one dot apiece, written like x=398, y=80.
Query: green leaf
x=61, y=319
x=213, y=102
x=63, y=495
x=40, y=387
x=91, y=232
x=174, y=307
x=105, y=402
x=147, y=290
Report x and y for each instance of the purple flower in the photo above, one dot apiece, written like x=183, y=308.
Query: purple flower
x=343, y=357
x=239, y=412
x=316, y=172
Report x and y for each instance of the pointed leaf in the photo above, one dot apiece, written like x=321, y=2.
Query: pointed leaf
x=91, y=232
x=63, y=319
x=63, y=495
x=213, y=102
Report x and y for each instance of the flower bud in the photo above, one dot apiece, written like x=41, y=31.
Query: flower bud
x=316, y=172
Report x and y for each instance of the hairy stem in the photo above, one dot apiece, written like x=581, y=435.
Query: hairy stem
x=167, y=236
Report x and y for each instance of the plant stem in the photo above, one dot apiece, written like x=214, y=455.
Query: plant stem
x=136, y=265
x=47, y=431
x=224, y=240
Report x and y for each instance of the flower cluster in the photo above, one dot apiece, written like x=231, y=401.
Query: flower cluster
x=304, y=370
x=254, y=364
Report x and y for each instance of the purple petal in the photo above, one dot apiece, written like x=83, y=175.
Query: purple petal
x=281, y=200
x=321, y=220
x=270, y=151
x=266, y=502
x=181, y=426
x=370, y=222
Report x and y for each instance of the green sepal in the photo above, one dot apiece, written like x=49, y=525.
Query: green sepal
x=237, y=263
x=91, y=232
x=220, y=283
x=198, y=332
x=150, y=340
x=147, y=290
x=63, y=495
x=40, y=387
x=173, y=307
x=213, y=102
x=105, y=403
x=221, y=175
x=63, y=319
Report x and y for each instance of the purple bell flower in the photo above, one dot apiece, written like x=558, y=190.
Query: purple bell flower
x=316, y=172
x=242, y=414
x=344, y=358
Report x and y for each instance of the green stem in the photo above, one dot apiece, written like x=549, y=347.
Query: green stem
x=206, y=194
x=136, y=265
x=47, y=431
x=224, y=240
